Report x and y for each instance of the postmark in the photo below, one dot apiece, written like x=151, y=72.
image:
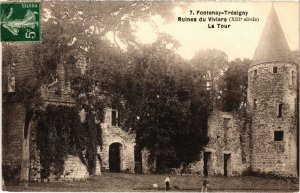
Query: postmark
x=20, y=22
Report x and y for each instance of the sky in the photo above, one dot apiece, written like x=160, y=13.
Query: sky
x=238, y=41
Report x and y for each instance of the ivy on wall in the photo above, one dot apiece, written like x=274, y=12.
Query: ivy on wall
x=60, y=133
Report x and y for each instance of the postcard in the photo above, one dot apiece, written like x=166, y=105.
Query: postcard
x=142, y=96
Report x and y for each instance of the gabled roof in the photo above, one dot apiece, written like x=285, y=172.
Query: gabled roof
x=272, y=46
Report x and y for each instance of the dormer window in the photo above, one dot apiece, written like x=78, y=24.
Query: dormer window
x=275, y=70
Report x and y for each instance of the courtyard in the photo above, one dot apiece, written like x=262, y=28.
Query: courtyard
x=118, y=182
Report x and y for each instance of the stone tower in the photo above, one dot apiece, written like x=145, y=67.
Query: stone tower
x=272, y=103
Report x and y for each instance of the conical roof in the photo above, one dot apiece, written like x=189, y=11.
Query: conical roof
x=272, y=46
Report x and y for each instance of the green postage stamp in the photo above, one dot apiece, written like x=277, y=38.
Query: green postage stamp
x=20, y=21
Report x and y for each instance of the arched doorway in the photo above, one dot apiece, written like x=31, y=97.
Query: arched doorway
x=115, y=157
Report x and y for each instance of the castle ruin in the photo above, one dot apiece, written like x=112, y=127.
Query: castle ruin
x=264, y=141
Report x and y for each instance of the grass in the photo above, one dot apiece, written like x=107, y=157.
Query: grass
x=120, y=182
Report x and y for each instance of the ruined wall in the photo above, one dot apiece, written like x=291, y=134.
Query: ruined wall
x=148, y=165
x=197, y=167
x=18, y=71
x=13, y=118
x=35, y=164
x=228, y=136
x=74, y=169
x=114, y=134
x=269, y=90
x=13, y=114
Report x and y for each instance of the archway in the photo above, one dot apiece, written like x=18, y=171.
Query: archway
x=115, y=157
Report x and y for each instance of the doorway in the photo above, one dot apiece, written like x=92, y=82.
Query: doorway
x=138, y=160
x=115, y=157
x=226, y=163
x=206, y=167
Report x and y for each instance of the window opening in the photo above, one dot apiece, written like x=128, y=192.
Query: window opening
x=255, y=73
x=294, y=80
x=114, y=117
x=254, y=103
x=278, y=135
x=279, y=110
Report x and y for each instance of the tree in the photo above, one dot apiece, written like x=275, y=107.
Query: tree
x=214, y=63
x=71, y=29
x=164, y=98
x=166, y=103
x=233, y=86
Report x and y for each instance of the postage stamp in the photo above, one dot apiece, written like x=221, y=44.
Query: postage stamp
x=20, y=22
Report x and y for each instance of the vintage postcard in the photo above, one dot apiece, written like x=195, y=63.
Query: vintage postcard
x=142, y=96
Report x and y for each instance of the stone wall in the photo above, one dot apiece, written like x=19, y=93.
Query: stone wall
x=62, y=98
x=74, y=169
x=227, y=135
x=114, y=134
x=35, y=164
x=197, y=167
x=271, y=89
x=13, y=118
x=148, y=165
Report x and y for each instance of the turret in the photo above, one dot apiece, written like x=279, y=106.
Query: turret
x=272, y=102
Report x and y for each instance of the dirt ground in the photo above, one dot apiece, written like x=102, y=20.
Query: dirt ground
x=120, y=182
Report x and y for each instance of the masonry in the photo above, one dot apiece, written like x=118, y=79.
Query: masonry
x=272, y=103
x=264, y=140
x=113, y=134
x=14, y=135
x=228, y=150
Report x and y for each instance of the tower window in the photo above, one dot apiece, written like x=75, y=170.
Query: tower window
x=275, y=70
x=114, y=117
x=254, y=103
x=225, y=121
x=255, y=73
x=279, y=110
x=278, y=135
x=294, y=78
